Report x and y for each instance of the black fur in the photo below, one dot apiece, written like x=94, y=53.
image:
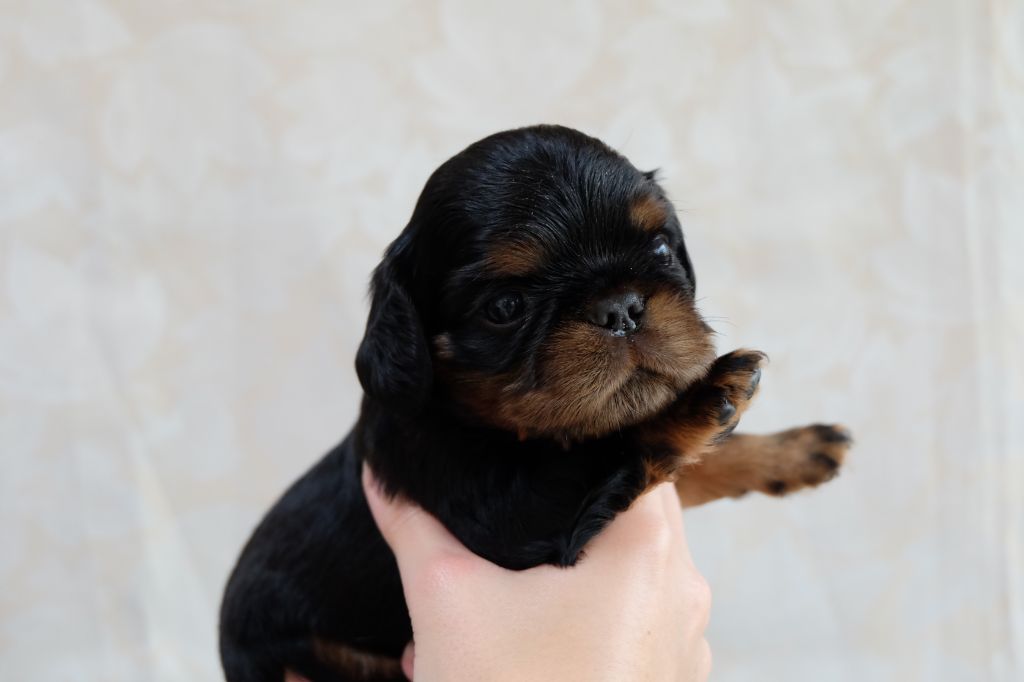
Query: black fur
x=316, y=565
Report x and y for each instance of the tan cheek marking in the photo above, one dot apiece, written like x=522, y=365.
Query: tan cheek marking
x=579, y=381
x=516, y=258
x=676, y=343
x=673, y=317
x=586, y=388
x=648, y=213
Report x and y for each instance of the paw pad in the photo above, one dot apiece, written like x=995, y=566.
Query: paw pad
x=825, y=461
x=726, y=412
x=755, y=380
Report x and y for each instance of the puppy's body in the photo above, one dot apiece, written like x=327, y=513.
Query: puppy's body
x=532, y=363
x=315, y=572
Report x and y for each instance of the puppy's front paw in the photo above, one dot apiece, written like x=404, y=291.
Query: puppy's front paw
x=775, y=464
x=803, y=457
x=707, y=413
x=728, y=389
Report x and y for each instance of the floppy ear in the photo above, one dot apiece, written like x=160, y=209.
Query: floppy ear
x=684, y=258
x=393, y=361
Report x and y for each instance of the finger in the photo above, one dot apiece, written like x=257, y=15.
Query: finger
x=695, y=586
x=408, y=658
x=413, y=534
x=643, y=524
x=696, y=594
x=704, y=670
x=674, y=513
x=695, y=663
x=673, y=507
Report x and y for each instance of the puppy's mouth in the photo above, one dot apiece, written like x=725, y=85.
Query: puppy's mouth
x=589, y=382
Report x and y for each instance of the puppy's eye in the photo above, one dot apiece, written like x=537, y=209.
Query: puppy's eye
x=661, y=247
x=505, y=308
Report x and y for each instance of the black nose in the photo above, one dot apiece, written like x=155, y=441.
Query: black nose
x=619, y=312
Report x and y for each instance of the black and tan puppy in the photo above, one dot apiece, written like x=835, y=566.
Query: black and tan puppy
x=532, y=363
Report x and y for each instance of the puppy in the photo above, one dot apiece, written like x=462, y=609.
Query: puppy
x=533, y=362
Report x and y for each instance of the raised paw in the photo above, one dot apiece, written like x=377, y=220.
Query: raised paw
x=728, y=389
x=708, y=412
x=775, y=464
x=803, y=457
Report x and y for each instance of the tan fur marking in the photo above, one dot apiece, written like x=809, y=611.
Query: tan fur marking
x=355, y=664
x=659, y=471
x=591, y=383
x=691, y=427
x=516, y=258
x=648, y=213
x=775, y=464
x=696, y=422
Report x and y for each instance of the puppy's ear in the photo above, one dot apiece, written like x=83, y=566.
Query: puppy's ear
x=684, y=258
x=393, y=361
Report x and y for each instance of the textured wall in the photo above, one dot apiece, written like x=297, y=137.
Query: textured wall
x=192, y=195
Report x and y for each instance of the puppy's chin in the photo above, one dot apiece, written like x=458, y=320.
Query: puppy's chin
x=589, y=383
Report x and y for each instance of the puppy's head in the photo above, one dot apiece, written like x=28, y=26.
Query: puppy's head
x=542, y=286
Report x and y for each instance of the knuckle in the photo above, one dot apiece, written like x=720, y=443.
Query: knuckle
x=443, y=574
x=698, y=592
x=652, y=538
x=659, y=539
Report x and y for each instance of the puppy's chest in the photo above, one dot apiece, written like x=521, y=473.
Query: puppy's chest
x=524, y=504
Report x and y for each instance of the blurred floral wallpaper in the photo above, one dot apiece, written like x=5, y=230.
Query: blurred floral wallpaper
x=193, y=194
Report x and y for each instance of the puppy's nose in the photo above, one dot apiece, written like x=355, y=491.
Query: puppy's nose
x=620, y=313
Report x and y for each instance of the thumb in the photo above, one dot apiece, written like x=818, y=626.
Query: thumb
x=412, y=534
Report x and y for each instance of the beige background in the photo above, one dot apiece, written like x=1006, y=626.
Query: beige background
x=192, y=195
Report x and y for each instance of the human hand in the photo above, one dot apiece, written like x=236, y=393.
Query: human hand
x=633, y=608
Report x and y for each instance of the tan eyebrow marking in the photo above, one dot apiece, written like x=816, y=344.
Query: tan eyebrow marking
x=648, y=213
x=516, y=258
